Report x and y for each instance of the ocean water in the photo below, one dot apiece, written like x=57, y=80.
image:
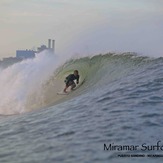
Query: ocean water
x=119, y=102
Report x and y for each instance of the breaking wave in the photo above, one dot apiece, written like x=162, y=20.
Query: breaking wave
x=33, y=84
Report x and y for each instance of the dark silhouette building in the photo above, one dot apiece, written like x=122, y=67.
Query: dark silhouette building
x=25, y=54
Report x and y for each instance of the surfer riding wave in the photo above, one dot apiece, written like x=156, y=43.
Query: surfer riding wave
x=69, y=81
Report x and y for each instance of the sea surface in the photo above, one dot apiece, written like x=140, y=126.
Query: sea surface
x=119, y=102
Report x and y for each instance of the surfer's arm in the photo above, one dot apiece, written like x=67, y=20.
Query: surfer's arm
x=77, y=80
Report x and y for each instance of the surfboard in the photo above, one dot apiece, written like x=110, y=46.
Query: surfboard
x=62, y=93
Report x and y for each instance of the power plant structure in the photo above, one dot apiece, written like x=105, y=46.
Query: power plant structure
x=51, y=45
x=25, y=54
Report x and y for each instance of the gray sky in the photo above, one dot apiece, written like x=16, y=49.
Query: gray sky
x=82, y=26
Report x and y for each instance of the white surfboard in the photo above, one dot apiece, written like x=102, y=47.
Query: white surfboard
x=62, y=93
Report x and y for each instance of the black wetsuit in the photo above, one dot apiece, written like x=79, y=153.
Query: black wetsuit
x=70, y=79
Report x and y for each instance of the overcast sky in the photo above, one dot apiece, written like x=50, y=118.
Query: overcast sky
x=82, y=26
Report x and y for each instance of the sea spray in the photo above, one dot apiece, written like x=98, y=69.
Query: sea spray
x=21, y=83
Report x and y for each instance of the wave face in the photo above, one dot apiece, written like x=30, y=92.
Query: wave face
x=120, y=102
x=126, y=75
x=33, y=84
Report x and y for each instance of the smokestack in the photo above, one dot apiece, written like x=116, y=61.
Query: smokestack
x=53, y=45
x=49, y=43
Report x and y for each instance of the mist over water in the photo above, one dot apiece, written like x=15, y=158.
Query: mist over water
x=21, y=84
x=143, y=39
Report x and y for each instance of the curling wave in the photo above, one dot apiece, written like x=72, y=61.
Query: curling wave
x=34, y=83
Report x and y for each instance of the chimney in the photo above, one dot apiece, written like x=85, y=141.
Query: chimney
x=53, y=44
x=49, y=43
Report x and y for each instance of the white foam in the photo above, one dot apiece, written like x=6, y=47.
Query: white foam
x=21, y=83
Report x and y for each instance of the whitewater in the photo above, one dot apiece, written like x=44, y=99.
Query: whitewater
x=119, y=101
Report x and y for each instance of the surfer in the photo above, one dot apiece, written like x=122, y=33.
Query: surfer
x=69, y=81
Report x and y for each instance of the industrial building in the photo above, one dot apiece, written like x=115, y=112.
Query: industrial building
x=50, y=48
x=26, y=54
